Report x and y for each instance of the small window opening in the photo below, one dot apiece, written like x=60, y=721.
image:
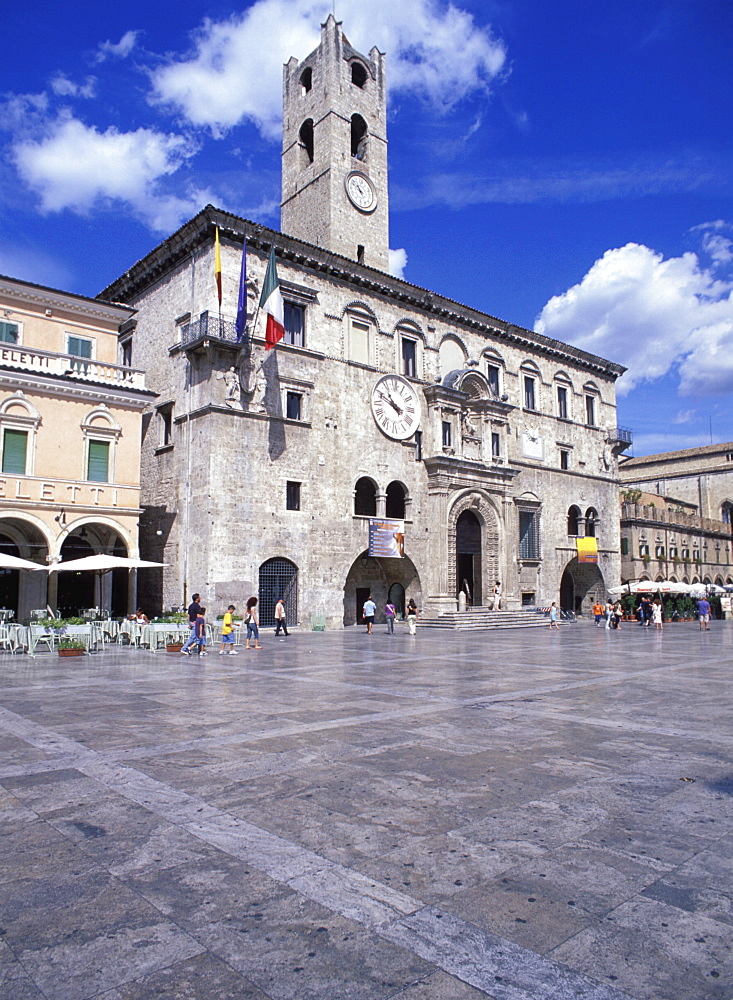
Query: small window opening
x=306, y=80
x=409, y=357
x=447, y=436
x=306, y=138
x=292, y=496
x=359, y=254
x=358, y=75
x=294, y=405
x=358, y=137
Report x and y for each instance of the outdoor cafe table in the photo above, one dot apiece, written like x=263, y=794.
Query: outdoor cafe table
x=157, y=634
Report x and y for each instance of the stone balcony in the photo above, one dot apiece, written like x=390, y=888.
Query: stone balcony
x=676, y=520
x=29, y=359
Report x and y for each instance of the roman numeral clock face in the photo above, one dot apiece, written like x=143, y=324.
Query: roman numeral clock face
x=396, y=407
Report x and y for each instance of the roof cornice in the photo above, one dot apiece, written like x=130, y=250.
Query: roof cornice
x=232, y=228
x=55, y=299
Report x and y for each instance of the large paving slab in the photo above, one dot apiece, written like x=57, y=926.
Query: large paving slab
x=527, y=815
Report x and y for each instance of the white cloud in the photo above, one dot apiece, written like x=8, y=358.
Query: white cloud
x=76, y=167
x=397, y=263
x=652, y=315
x=64, y=87
x=435, y=51
x=117, y=50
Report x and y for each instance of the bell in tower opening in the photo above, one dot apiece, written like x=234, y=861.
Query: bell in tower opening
x=334, y=158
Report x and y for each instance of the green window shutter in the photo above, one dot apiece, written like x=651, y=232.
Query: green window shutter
x=15, y=449
x=98, y=462
x=8, y=333
x=80, y=348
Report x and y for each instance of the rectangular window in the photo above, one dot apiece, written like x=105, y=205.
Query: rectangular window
x=166, y=425
x=126, y=353
x=565, y=460
x=562, y=402
x=624, y=546
x=495, y=446
x=292, y=496
x=529, y=535
x=590, y=411
x=492, y=376
x=79, y=347
x=529, y=394
x=409, y=358
x=418, y=446
x=98, y=462
x=9, y=332
x=293, y=405
x=15, y=452
x=360, y=342
x=294, y=315
x=447, y=436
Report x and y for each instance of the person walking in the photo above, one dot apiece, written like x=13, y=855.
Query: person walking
x=280, y=617
x=390, y=613
x=497, y=596
x=194, y=609
x=598, y=613
x=553, y=616
x=368, y=613
x=618, y=613
x=227, y=633
x=609, y=613
x=657, y=616
x=412, y=614
x=703, y=614
x=199, y=632
x=252, y=623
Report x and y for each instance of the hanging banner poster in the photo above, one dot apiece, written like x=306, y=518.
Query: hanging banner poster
x=386, y=538
x=587, y=550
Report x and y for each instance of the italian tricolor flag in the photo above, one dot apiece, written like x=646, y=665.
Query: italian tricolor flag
x=271, y=301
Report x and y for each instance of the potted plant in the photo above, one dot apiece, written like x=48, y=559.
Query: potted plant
x=173, y=647
x=68, y=646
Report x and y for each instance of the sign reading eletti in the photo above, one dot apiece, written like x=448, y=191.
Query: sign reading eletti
x=386, y=538
x=67, y=494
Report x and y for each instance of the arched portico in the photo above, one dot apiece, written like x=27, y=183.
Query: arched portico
x=381, y=578
x=581, y=586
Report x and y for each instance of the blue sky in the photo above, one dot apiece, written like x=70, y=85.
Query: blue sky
x=566, y=166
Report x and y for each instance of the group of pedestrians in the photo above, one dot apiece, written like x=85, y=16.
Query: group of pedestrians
x=197, y=627
x=648, y=613
x=369, y=611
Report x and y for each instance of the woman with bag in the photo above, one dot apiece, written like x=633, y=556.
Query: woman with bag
x=252, y=623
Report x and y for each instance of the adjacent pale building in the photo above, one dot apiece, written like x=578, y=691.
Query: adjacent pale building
x=70, y=429
x=677, y=515
x=493, y=448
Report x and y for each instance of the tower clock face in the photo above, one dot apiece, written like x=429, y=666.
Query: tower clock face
x=361, y=191
x=396, y=407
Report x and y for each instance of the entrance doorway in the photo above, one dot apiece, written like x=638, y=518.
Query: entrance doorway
x=9, y=578
x=361, y=595
x=468, y=557
x=397, y=597
x=278, y=578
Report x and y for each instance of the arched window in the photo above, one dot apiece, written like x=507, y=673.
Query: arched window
x=306, y=80
x=591, y=516
x=726, y=513
x=396, y=500
x=365, y=498
x=359, y=134
x=306, y=139
x=573, y=515
x=359, y=75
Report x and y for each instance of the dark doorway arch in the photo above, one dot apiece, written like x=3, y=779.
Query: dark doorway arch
x=581, y=585
x=278, y=578
x=468, y=557
x=365, y=498
x=9, y=578
x=396, y=596
x=75, y=590
x=395, y=507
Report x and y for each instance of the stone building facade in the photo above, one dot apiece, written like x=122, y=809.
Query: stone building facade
x=493, y=446
x=677, y=515
x=70, y=429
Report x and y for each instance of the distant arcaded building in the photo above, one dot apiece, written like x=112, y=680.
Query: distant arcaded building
x=677, y=515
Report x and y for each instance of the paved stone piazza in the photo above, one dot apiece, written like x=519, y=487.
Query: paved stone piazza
x=531, y=815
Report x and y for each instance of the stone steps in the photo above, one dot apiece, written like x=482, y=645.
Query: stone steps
x=477, y=619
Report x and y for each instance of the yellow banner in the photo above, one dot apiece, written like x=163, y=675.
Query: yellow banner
x=587, y=550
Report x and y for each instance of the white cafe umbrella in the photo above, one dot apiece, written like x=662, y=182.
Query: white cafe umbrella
x=651, y=587
x=13, y=562
x=101, y=563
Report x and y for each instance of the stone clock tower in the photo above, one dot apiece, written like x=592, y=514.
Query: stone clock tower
x=334, y=160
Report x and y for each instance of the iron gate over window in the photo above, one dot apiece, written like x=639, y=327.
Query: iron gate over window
x=278, y=578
